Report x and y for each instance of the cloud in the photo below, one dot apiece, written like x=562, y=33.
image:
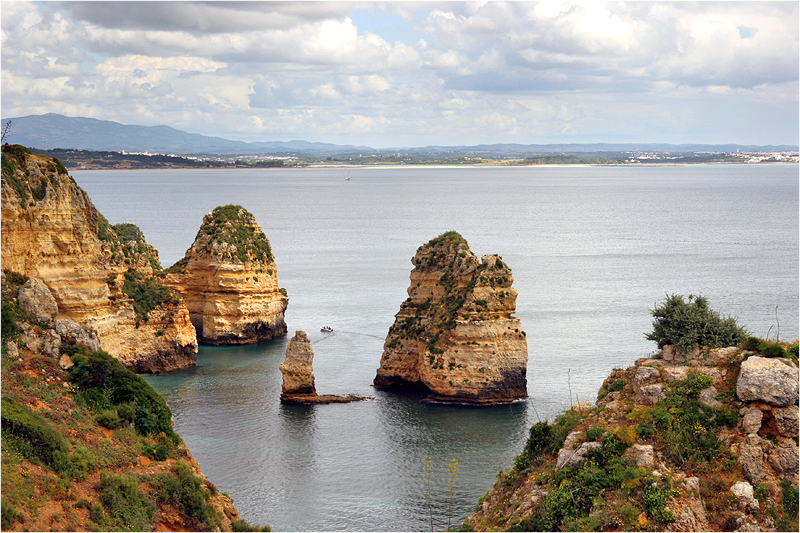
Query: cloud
x=487, y=71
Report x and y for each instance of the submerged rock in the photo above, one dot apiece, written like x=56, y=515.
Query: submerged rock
x=454, y=337
x=229, y=281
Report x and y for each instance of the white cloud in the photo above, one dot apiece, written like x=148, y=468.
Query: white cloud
x=487, y=71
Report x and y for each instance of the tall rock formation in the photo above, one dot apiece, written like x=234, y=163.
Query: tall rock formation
x=298, y=376
x=454, y=336
x=297, y=369
x=229, y=280
x=100, y=275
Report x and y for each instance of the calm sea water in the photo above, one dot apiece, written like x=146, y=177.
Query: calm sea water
x=593, y=250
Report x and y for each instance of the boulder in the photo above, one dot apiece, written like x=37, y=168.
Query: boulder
x=650, y=394
x=784, y=458
x=767, y=380
x=645, y=375
x=751, y=420
x=751, y=457
x=709, y=397
x=36, y=299
x=71, y=332
x=572, y=457
x=786, y=420
x=641, y=454
x=744, y=496
x=673, y=355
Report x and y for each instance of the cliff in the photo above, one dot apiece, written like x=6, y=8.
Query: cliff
x=229, y=281
x=454, y=336
x=87, y=444
x=707, y=443
x=100, y=275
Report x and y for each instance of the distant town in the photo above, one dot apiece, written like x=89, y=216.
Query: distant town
x=108, y=160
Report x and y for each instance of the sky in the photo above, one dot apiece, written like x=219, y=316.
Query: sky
x=411, y=74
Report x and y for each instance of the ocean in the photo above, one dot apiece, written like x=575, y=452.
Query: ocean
x=592, y=250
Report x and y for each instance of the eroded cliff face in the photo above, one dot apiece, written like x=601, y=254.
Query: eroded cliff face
x=455, y=336
x=53, y=232
x=229, y=280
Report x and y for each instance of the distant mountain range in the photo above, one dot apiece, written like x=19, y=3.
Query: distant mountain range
x=57, y=131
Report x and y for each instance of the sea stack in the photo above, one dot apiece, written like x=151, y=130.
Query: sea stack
x=454, y=337
x=297, y=369
x=229, y=280
x=101, y=276
x=298, y=376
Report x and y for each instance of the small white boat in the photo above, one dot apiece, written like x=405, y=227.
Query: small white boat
x=348, y=177
x=326, y=329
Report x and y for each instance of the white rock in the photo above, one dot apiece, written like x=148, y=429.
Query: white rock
x=767, y=380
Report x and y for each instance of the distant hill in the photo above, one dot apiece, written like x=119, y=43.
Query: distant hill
x=605, y=148
x=57, y=131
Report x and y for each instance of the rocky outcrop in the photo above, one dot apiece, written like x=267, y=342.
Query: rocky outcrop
x=229, y=281
x=454, y=337
x=298, y=376
x=101, y=276
x=670, y=429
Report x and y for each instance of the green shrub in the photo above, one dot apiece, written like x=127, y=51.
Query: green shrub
x=187, y=493
x=645, y=431
x=146, y=293
x=9, y=515
x=655, y=501
x=685, y=324
x=595, y=433
x=108, y=418
x=34, y=437
x=772, y=350
x=104, y=383
x=125, y=507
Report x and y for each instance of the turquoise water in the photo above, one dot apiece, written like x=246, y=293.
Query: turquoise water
x=592, y=250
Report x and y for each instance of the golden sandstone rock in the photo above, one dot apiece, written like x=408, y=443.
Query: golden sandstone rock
x=229, y=281
x=454, y=337
x=52, y=231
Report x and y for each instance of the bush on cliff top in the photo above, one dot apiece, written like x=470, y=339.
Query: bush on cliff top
x=105, y=384
x=452, y=238
x=684, y=324
x=233, y=224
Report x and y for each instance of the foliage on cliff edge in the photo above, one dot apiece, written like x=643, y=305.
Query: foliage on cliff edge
x=91, y=448
x=665, y=448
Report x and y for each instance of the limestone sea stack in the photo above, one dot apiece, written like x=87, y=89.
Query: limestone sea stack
x=297, y=369
x=454, y=337
x=298, y=376
x=100, y=275
x=229, y=280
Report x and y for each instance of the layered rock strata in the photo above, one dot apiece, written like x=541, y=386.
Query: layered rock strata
x=101, y=276
x=229, y=281
x=298, y=376
x=454, y=337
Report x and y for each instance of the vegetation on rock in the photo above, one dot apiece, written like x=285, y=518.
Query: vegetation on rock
x=147, y=294
x=689, y=323
x=91, y=448
x=662, y=449
x=235, y=225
